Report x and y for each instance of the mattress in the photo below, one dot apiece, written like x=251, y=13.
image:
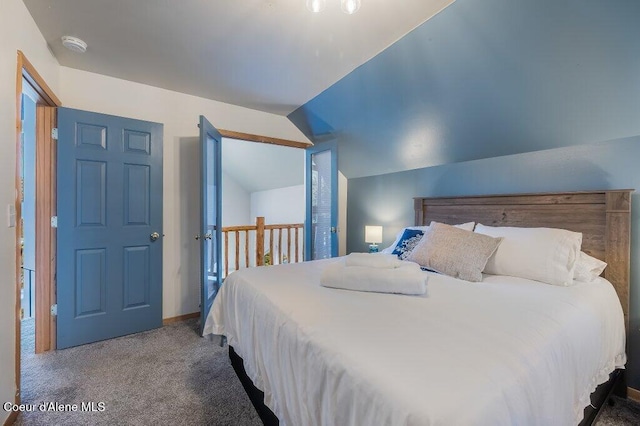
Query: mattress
x=503, y=351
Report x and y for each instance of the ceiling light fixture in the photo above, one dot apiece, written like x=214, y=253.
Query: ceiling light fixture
x=348, y=6
x=316, y=6
x=74, y=44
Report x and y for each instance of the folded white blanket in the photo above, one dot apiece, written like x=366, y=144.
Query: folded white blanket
x=407, y=279
x=373, y=260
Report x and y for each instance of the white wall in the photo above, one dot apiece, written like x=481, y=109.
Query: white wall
x=236, y=203
x=18, y=31
x=280, y=205
x=179, y=113
x=236, y=208
x=287, y=205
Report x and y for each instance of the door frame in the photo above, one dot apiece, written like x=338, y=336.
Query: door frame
x=249, y=137
x=45, y=208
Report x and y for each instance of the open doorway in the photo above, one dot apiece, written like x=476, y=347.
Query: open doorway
x=263, y=204
x=28, y=219
x=32, y=213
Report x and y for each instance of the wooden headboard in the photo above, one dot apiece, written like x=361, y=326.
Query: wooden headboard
x=603, y=217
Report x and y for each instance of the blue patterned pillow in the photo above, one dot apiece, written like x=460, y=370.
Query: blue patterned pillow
x=410, y=238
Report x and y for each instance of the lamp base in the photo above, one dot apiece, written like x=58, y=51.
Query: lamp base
x=373, y=248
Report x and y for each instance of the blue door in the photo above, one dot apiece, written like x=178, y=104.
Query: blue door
x=321, y=181
x=210, y=216
x=109, y=266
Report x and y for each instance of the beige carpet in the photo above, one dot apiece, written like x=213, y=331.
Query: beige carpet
x=168, y=376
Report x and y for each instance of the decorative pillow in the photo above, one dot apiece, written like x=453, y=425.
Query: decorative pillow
x=453, y=251
x=588, y=268
x=542, y=254
x=467, y=226
x=409, y=239
x=393, y=246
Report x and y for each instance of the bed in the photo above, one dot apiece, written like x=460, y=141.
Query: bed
x=504, y=351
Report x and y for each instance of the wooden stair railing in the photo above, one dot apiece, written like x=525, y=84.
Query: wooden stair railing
x=291, y=252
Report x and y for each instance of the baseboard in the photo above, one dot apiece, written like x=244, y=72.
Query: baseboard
x=184, y=317
x=633, y=394
x=12, y=418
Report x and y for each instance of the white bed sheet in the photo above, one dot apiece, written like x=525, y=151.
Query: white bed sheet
x=505, y=351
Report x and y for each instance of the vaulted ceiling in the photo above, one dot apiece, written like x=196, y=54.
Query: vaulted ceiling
x=400, y=85
x=269, y=55
x=260, y=166
x=487, y=78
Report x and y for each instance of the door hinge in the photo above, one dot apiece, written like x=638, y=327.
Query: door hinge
x=54, y=133
x=21, y=313
x=54, y=310
x=54, y=221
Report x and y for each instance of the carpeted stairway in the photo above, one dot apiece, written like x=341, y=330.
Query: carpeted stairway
x=168, y=376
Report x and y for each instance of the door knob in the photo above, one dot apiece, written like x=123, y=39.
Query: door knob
x=207, y=236
x=197, y=237
x=155, y=236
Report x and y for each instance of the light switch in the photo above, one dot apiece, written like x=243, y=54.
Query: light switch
x=11, y=216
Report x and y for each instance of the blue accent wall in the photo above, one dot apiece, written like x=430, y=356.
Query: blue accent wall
x=387, y=199
x=486, y=78
x=490, y=97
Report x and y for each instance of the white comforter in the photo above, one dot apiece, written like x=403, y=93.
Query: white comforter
x=505, y=351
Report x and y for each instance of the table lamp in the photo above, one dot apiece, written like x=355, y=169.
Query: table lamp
x=373, y=236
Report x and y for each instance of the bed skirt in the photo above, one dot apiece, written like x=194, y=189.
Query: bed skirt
x=616, y=385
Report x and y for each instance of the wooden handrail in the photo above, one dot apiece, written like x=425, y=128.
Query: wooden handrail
x=285, y=226
x=239, y=228
x=255, y=227
x=294, y=246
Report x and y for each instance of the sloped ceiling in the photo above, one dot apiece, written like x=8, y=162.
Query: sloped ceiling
x=260, y=166
x=269, y=55
x=486, y=78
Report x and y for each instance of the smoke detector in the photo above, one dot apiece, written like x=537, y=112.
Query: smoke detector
x=74, y=44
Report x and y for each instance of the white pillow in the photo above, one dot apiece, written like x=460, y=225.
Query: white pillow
x=588, y=268
x=466, y=226
x=548, y=255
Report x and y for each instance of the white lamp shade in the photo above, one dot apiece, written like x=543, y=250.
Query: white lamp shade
x=373, y=234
